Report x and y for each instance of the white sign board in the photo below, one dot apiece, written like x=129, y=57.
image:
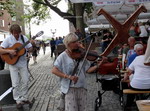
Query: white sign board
x=108, y=3
x=137, y=1
x=85, y=1
x=111, y=2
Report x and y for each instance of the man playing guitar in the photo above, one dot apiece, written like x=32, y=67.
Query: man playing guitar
x=18, y=70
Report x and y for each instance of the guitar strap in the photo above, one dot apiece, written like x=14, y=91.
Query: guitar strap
x=22, y=39
x=75, y=69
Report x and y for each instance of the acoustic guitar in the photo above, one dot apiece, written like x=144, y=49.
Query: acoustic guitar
x=20, y=50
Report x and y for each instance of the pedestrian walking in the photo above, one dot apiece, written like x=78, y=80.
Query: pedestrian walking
x=43, y=44
x=53, y=46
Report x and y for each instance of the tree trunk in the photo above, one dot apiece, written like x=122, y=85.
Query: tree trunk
x=79, y=18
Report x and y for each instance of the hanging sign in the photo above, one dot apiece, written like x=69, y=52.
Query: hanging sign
x=82, y=1
x=137, y=1
x=85, y=1
x=111, y=2
x=108, y=3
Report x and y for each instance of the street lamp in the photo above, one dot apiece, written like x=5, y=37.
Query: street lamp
x=53, y=32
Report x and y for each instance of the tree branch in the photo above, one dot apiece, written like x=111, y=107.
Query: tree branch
x=39, y=2
x=64, y=15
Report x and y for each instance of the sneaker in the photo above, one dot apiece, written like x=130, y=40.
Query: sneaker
x=20, y=105
x=35, y=63
x=27, y=102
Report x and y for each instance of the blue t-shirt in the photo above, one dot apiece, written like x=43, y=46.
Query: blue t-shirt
x=131, y=58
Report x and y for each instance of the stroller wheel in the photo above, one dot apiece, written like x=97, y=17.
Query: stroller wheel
x=98, y=103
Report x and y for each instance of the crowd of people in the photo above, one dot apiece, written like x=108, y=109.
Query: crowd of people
x=134, y=51
x=137, y=72
x=141, y=29
x=54, y=42
x=106, y=39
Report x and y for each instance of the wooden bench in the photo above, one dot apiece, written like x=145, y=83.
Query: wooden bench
x=123, y=71
x=136, y=92
x=143, y=105
x=131, y=91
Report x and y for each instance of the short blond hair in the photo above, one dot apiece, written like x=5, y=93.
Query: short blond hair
x=70, y=38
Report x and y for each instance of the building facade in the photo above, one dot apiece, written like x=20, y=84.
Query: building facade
x=6, y=20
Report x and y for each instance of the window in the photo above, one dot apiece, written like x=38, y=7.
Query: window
x=14, y=18
x=1, y=7
x=2, y=23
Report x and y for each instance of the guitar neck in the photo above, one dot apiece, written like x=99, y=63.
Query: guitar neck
x=18, y=49
x=23, y=45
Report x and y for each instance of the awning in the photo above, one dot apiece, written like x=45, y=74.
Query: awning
x=97, y=28
x=111, y=2
x=120, y=17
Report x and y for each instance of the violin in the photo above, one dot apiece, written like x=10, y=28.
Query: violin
x=80, y=53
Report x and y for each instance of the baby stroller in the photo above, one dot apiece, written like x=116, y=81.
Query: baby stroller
x=110, y=80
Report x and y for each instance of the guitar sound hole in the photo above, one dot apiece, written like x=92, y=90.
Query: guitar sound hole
x=11, y=56
x=17, y=49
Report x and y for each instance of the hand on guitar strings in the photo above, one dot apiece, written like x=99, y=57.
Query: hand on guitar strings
x=12, y=52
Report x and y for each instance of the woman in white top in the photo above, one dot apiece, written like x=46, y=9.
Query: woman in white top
x=141, y=78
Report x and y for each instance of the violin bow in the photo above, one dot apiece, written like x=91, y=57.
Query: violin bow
x=86, y=53
x=88, y=37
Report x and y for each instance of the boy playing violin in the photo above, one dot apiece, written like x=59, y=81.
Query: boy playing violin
x=72, y=71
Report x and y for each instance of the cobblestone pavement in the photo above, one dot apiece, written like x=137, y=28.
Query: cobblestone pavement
x=110, y=100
